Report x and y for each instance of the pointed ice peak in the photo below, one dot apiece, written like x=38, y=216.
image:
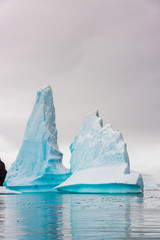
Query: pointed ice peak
x=92, y=120
x=45, y=95
x=94, y=113
x=45, y=89
x=42, y=119
x=97, y=112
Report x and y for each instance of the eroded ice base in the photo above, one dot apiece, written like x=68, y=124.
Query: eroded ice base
x=101, y=188
x=110, y=179
x=46, y=183
x=33, y=188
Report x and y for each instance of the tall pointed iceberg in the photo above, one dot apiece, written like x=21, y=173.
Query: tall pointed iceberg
x=99, y=161
x=39, y=162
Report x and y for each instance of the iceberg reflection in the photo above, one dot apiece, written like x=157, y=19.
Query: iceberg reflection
x=78, y=216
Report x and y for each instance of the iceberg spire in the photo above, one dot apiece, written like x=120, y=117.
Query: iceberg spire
x=39, y=161
x=97, y=145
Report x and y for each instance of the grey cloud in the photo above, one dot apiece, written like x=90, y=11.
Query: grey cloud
x=103, y=54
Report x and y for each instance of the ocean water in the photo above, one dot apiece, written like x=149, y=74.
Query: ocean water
x=80, y=216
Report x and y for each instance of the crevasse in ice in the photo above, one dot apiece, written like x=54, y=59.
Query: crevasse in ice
x=39, y=162
x=99, y=161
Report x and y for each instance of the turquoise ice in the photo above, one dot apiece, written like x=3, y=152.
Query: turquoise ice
x=99, y=158
x=39, y=163
x=99, y=161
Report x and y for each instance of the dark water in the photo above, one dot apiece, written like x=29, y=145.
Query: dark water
x=80, y=216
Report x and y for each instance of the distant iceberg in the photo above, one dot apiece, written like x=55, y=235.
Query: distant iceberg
x=39, y=163
x=99, y=161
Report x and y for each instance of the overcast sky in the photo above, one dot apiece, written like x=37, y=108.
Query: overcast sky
x=101, y=54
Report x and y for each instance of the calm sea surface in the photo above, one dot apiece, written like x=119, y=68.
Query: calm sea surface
x=80, y=216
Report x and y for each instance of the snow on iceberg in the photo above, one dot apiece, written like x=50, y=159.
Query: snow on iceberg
x=99, y=161
x=39, y=162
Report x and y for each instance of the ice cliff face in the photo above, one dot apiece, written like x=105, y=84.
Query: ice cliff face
x=97, y=146
x=99, y=161
x=39, y=161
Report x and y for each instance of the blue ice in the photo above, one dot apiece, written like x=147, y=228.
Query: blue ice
x=39, y=163
x=99, y=161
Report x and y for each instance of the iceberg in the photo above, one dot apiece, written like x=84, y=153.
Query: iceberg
x=5, y=191
x=38, y=166
x=99, y=161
